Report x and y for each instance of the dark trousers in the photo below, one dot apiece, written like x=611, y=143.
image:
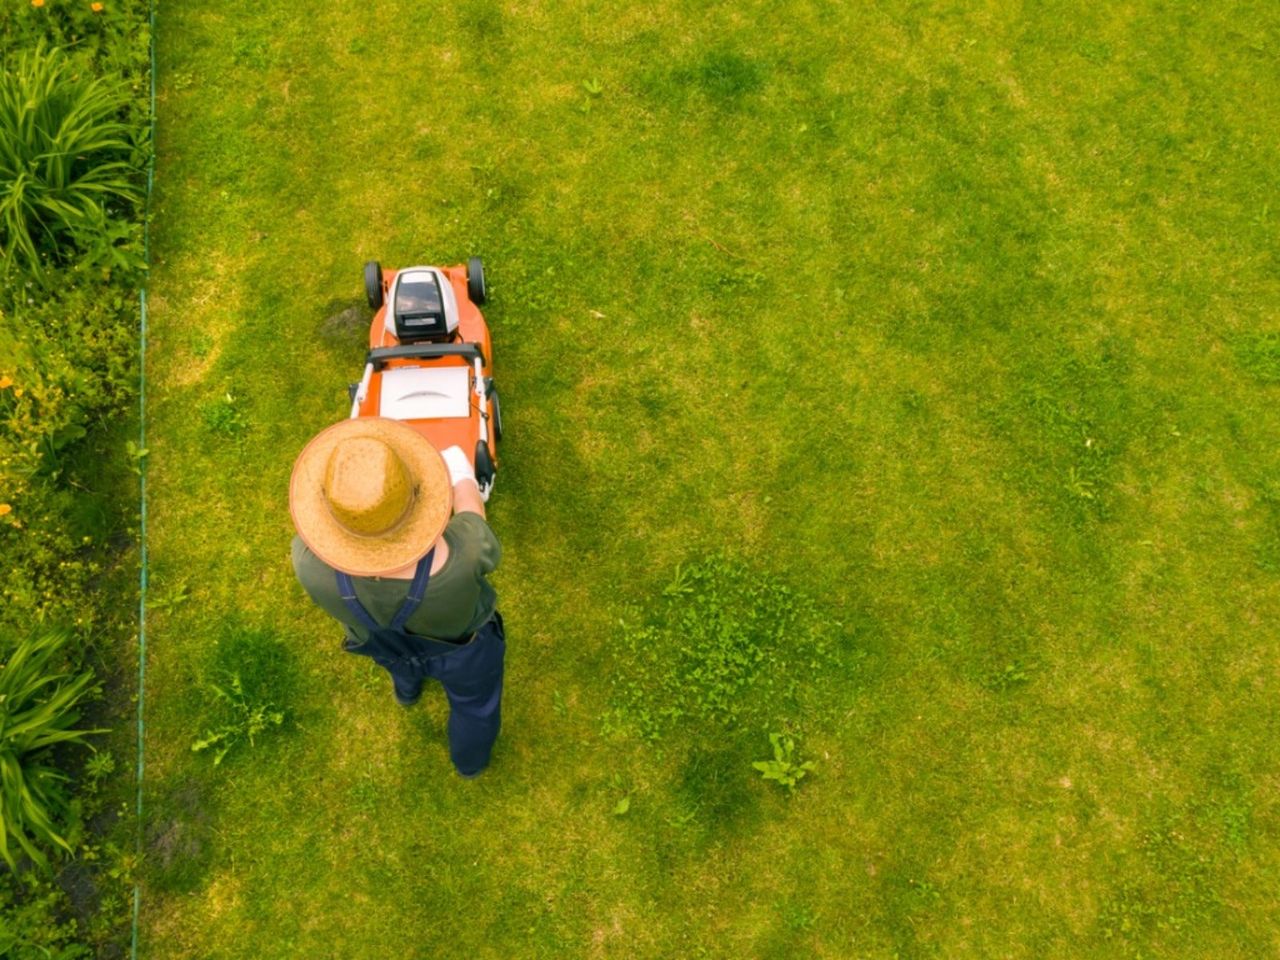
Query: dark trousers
x=471, y=675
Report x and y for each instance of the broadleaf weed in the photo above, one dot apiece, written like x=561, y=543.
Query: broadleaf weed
x=783, y=769
x=244, y=719
x=725, y=646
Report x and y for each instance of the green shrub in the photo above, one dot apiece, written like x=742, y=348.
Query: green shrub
x=34, y=924
x=68, y=369
x=68, y=164
x=112, y=40
x=38, y=709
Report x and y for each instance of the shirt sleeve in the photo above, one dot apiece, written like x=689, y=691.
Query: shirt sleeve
x=317, y=579
x=479, y=536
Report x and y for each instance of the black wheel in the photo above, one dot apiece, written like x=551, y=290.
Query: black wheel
x=495, y=411
x=373, y=284
x=485, y=470
x=475, y=281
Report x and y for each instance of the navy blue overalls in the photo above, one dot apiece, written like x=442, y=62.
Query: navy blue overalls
x=470, y=672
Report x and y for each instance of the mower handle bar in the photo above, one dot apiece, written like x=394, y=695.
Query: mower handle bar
x=379, y=356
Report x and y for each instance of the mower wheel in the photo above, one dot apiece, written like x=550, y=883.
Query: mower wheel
x=495, y=411
x=476, y=289
x=373, y=284
x=485, y=470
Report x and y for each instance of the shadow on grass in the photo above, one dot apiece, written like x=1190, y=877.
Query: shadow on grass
x=714, y=789
x=183, y=810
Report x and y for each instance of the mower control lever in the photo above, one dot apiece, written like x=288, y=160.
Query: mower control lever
x=379, y=356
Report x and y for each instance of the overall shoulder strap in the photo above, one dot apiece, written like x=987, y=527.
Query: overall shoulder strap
x=421, y=576
x=417, y=589
x=347, y=591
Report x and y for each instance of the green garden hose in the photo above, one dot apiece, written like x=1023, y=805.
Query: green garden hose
x=142, y=467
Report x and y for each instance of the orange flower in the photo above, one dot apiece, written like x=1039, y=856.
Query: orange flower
x=37, y=3
x=5, y=508
x=6, y=382
x=96, y=7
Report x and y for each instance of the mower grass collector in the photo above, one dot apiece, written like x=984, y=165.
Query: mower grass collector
x=429, y=360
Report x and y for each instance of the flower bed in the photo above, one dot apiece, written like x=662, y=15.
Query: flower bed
x=74, y=124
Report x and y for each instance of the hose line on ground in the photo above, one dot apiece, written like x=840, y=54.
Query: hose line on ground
x=142, y=468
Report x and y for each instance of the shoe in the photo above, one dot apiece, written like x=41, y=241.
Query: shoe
x=407, y=699
x=471, y=776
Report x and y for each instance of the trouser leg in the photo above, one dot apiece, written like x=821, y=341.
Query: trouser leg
x=472, y=681
x=406, y=677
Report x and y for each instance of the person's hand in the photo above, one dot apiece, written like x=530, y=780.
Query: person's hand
x=459, y=465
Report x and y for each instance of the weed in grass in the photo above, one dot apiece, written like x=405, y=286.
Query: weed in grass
x=797, y=916
x=173, y=595
x=784, y=769
x=1177, y=892
x=1259, y=355
x=725, y=646
x=224, y=416
x=250, y=681
x=200, y=344
x=1071, y=418
x=100, y=766
x=1016, y=673
x=253, y=50
x=135, y=456
x=365, y=795
x=743, y=277
x=243, y=719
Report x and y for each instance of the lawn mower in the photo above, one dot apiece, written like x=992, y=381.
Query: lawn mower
x=429, y=360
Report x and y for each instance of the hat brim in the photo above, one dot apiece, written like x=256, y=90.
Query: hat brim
x=415, y=533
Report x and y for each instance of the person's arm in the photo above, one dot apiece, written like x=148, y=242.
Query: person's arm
x=466, y=497
x=466, y=492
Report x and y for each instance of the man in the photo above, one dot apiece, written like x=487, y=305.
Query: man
x=392, y=542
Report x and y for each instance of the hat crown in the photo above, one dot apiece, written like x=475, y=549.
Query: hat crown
x=367, y=486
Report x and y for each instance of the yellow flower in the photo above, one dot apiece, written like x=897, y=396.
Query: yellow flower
x=17, y=391
x=5, y=508
x=96, y=7
x=37, y=3
x=6, y=382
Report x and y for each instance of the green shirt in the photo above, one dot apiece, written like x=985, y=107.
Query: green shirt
x=458, y=600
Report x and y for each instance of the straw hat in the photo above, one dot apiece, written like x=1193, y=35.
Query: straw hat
x=370, y=496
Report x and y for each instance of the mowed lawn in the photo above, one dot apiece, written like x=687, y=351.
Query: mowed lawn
x=955, y=326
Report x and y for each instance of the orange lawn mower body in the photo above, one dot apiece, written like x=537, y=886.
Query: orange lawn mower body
x=430, y=360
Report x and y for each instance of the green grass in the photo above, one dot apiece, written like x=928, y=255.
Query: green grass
x=958, y=325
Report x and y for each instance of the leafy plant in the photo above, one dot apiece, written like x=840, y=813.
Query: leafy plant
x=65, y=157
x=245, y=719
x=1015, y=673
x=1259, y=354
x=136, y=456
x=174, y=595
x=726, y=646
x=782, y=769
x=35, y=921
x=224, y=415
x=38, y=709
